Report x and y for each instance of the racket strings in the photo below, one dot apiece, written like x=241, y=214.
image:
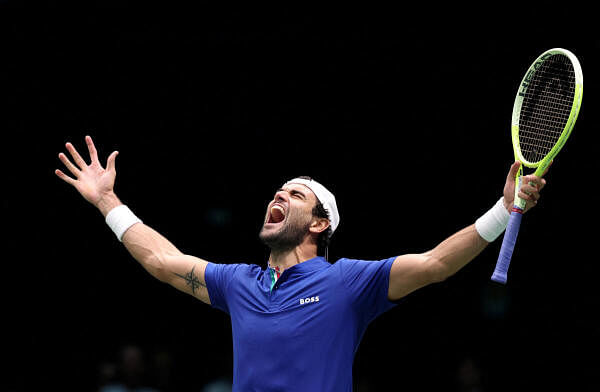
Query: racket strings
x=546, y=107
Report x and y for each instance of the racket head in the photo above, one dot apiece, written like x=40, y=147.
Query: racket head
x=546, y=107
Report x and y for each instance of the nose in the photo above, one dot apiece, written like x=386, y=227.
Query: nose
x=281, y=196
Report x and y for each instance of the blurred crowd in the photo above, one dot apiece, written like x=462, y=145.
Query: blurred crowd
x=134, y=371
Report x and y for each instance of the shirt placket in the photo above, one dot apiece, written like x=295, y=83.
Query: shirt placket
x=274, y=274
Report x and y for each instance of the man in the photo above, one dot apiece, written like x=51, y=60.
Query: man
x=297, y=323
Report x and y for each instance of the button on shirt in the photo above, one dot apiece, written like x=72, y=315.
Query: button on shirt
x=317, y=313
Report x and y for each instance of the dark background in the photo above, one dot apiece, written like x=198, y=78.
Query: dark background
x=404, y=117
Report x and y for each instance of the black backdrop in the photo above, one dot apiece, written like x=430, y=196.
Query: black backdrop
x=406, y=119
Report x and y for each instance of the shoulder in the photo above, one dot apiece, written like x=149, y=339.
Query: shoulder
x=367, y=284
x=352, y=269
x=237, y=269
x=349, y=264
x=223, y=274
x=224, y=280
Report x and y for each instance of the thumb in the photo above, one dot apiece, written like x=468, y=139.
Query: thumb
x=512, y=173
x=110, y=163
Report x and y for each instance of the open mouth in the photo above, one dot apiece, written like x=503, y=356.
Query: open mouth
x=276, y=214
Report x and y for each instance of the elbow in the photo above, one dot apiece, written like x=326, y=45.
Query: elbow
x=156, y=266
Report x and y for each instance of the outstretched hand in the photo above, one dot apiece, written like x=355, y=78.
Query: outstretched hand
x=92, y=181
x=531, y=186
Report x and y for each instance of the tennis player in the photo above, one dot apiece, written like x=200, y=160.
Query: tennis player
x=296, y=323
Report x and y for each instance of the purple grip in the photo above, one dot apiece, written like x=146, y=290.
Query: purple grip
x=508, y=245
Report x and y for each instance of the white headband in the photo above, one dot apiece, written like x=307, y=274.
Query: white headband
x=325, y=197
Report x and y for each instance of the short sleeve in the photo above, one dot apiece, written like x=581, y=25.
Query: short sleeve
x=218, y=277
x=368, y=284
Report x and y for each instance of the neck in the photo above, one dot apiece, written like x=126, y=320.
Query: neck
x=285, y=259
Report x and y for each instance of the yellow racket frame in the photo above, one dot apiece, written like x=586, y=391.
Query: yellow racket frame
x=543, y=164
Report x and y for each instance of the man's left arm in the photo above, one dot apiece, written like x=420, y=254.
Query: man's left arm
x=413, y=271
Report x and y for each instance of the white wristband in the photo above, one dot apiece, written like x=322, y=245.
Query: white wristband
x=493, y=222
x=119, y=219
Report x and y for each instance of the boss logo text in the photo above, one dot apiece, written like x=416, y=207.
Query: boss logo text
x=309, y=300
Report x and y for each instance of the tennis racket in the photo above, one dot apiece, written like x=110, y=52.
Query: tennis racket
x=544, y=113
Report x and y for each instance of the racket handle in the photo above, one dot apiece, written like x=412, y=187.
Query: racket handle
x=508, y=245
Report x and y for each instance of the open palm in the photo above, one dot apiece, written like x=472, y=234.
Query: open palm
x=91, y=181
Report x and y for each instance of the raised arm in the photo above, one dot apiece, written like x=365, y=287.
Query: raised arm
x=153, y=251
x=413, y=271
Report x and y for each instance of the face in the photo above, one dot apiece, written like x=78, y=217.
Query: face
x=288, y=218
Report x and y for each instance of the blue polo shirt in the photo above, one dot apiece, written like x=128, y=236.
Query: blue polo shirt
x=302, y=334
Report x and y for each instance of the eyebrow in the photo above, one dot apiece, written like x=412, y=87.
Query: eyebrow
x=293, y=192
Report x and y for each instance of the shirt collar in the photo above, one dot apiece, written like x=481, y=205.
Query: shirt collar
x=310, y=265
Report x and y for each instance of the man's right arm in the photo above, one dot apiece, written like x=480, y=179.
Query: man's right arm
x=153, y=251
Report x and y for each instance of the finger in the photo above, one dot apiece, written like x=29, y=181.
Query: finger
x=92, y=150
x=529, y=196
x=75, y=171
x=64, y=177
x=533, y=180
x=110, y=163
x=530, y=205
x=530, y=188
x=548, y=168
x=512, y=173
x=76, y=157
x=535, y=185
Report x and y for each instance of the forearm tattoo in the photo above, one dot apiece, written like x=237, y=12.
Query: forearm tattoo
x=192, y=280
